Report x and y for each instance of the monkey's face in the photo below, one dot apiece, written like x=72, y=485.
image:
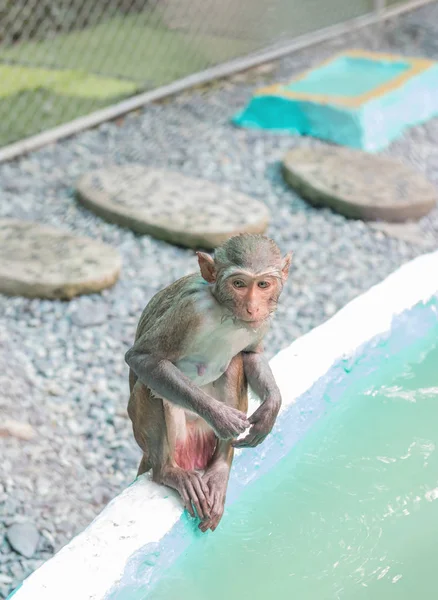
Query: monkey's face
x=252, y=299
x=247, y=276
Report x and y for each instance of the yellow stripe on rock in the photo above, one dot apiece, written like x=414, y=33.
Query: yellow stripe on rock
x=417, y=66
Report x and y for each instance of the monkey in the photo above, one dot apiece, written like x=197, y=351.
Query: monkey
x=198, y=345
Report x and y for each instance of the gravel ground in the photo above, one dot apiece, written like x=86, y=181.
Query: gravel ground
x=61, y=364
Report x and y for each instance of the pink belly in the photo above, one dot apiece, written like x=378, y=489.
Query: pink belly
x=196, y=450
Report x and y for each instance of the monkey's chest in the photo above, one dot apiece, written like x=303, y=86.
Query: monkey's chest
x=212, y=350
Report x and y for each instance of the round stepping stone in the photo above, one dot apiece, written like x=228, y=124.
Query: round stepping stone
x=43, y=262
x=169, y=206
x=359, y=185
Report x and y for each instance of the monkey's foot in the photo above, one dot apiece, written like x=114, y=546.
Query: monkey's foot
x=191, y=488
x=217, y=481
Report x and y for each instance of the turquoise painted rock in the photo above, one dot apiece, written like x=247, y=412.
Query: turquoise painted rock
x=358, y=99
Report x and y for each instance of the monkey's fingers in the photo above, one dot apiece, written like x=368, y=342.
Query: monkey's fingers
x=258, y=440
x=238, y=421
x=244, y=442
x=253, y=439
x=241, y=419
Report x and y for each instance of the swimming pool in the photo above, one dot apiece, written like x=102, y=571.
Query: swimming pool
x=349, y=512
x=338, y=503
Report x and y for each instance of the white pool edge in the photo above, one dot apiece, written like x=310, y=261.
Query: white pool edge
x=94, y=561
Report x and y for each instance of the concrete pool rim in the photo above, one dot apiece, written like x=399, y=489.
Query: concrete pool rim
x=143, y=530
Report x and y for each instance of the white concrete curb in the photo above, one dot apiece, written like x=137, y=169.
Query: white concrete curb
x=88, y=567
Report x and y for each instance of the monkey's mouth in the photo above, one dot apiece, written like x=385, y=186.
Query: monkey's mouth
x=255, y=322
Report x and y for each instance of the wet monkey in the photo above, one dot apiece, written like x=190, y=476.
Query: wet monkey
x=198, y=345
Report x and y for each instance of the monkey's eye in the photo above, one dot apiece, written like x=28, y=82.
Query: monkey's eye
x=238, y=283
x=264, y=284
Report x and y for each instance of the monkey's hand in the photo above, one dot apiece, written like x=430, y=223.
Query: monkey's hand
x=226, y=421
x=262, y=422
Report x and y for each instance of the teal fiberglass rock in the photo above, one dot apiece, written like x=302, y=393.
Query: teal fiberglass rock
x=359, y=99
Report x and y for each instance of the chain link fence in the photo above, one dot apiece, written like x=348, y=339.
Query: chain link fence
x=62, y=59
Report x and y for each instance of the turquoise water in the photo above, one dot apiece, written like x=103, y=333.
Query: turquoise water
x=351, y=512
x=348, y=77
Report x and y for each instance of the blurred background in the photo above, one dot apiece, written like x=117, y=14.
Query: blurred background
x=66, y=445
x=64, y=59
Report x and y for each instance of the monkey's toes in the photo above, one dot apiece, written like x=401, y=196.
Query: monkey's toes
x=197, y=494
x=211, y=522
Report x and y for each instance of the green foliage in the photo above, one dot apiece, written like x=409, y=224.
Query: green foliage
x=14, y=79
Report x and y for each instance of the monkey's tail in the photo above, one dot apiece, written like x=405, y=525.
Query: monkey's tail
x=144, y=466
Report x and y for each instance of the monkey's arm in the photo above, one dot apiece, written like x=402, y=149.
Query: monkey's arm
x=167, y=381
x=261, y=380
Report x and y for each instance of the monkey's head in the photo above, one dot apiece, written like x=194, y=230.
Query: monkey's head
x=247, y=275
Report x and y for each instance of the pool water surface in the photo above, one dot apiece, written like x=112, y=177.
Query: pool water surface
x=351, y=511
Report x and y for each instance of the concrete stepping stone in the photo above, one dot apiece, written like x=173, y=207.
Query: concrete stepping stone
x=44, y=262
x=169, y=206
x=359, y=185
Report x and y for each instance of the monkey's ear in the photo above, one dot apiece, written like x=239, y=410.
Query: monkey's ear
x=285, y=265
x=207, y=266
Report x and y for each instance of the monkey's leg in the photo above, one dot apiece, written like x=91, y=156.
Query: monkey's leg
x=231, y=389
x=156, y=425
x=140, y=413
